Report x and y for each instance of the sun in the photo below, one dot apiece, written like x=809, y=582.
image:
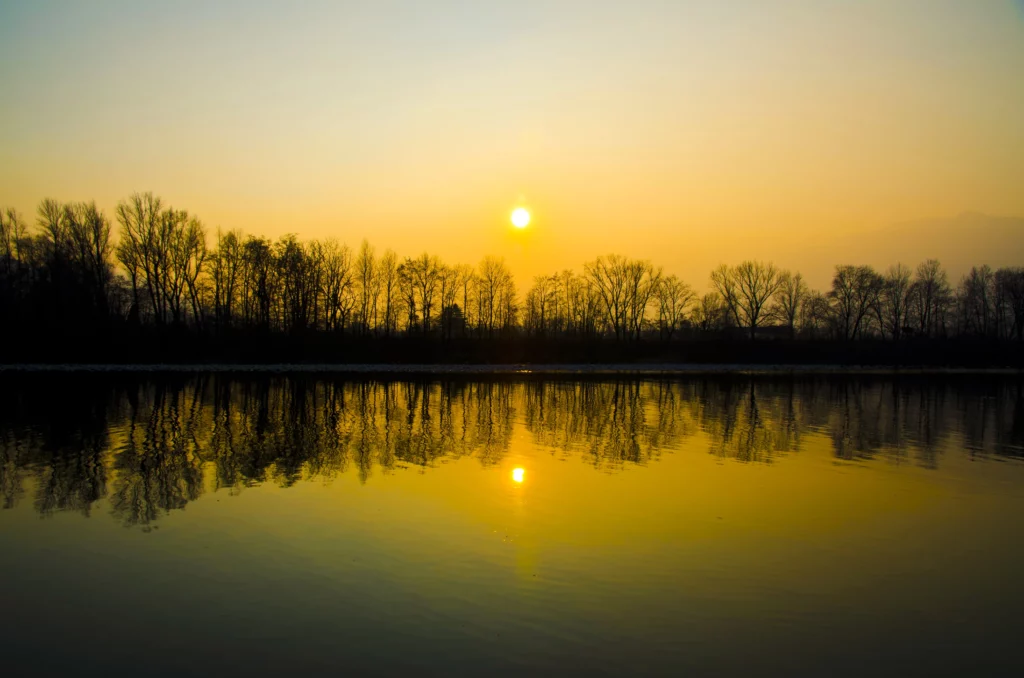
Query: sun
x=520, y=217
x=519, y=474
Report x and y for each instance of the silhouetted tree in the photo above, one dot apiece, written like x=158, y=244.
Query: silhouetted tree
x=1010, y=282
x=746, y=290
x=495, y=296
x=226, y=271
x=387, y=272
x=369, y=287
x=158, y=278
x=674, y=298
x=711, y=313
x=930, y=298
x=894, y=301
x=789, y=300
x=337, y=285
x=855, y=292
x=976, y=302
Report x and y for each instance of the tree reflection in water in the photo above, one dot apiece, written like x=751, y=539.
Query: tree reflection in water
x=151, y=446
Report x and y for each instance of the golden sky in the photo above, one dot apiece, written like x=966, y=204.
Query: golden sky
x=690, y=133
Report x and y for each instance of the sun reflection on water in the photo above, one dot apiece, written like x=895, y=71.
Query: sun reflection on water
x=518, y=474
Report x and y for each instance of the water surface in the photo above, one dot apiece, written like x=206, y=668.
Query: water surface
x=211, y=524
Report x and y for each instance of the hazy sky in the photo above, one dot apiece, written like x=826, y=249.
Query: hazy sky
x=690, y=133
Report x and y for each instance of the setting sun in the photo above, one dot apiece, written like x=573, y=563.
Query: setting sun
x=520, y=217
x=518, y=474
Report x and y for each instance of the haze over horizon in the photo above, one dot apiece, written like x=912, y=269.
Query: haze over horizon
x=688, y=133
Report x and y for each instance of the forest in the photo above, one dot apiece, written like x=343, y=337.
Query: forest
x=162, y=287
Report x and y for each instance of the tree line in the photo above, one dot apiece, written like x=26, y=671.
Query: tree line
x=72, y=274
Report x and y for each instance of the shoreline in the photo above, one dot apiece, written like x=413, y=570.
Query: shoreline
x=564, y=369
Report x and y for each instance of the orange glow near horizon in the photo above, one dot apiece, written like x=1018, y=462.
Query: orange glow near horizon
x=690, y=134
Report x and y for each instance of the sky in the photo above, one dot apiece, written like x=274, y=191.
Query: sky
x=689, y=133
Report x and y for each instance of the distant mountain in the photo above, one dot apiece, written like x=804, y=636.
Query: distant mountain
x=970, y=239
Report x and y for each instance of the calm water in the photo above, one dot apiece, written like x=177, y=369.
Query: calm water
x=176, y=525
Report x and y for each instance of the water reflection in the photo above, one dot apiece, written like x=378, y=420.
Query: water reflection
x=151, y=446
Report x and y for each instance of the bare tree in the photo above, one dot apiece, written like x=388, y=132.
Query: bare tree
x=673, y=298
x=562, y=309
x=467, y=282
x=539, y=302
x=337, y=285
x=300, y=273
x=930, y=298
x=816, y=316
x=143, y=251
x=609, y=277
x=190, y=256
x=894, y=301
x=586, y=311
x=448, y=280
x=976, y=298
x=789, y=299
x=12, y=234
x=422, y=275
x=746, y=290
x=493, y=282
x=259, y=282
x=407, y=293
x=710, y=313
x=642, y=281
x=369, y=289
x=723, y=280
x=508, y=304
x=226, y=271
x=53, y=222
x=88, y=233
x=387, y=275
x=855, y=292
x=1011, y=285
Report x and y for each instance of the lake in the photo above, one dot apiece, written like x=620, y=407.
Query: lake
x=201, y=524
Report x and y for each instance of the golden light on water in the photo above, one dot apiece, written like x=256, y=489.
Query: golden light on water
x=520, y=217
x=518, y=474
